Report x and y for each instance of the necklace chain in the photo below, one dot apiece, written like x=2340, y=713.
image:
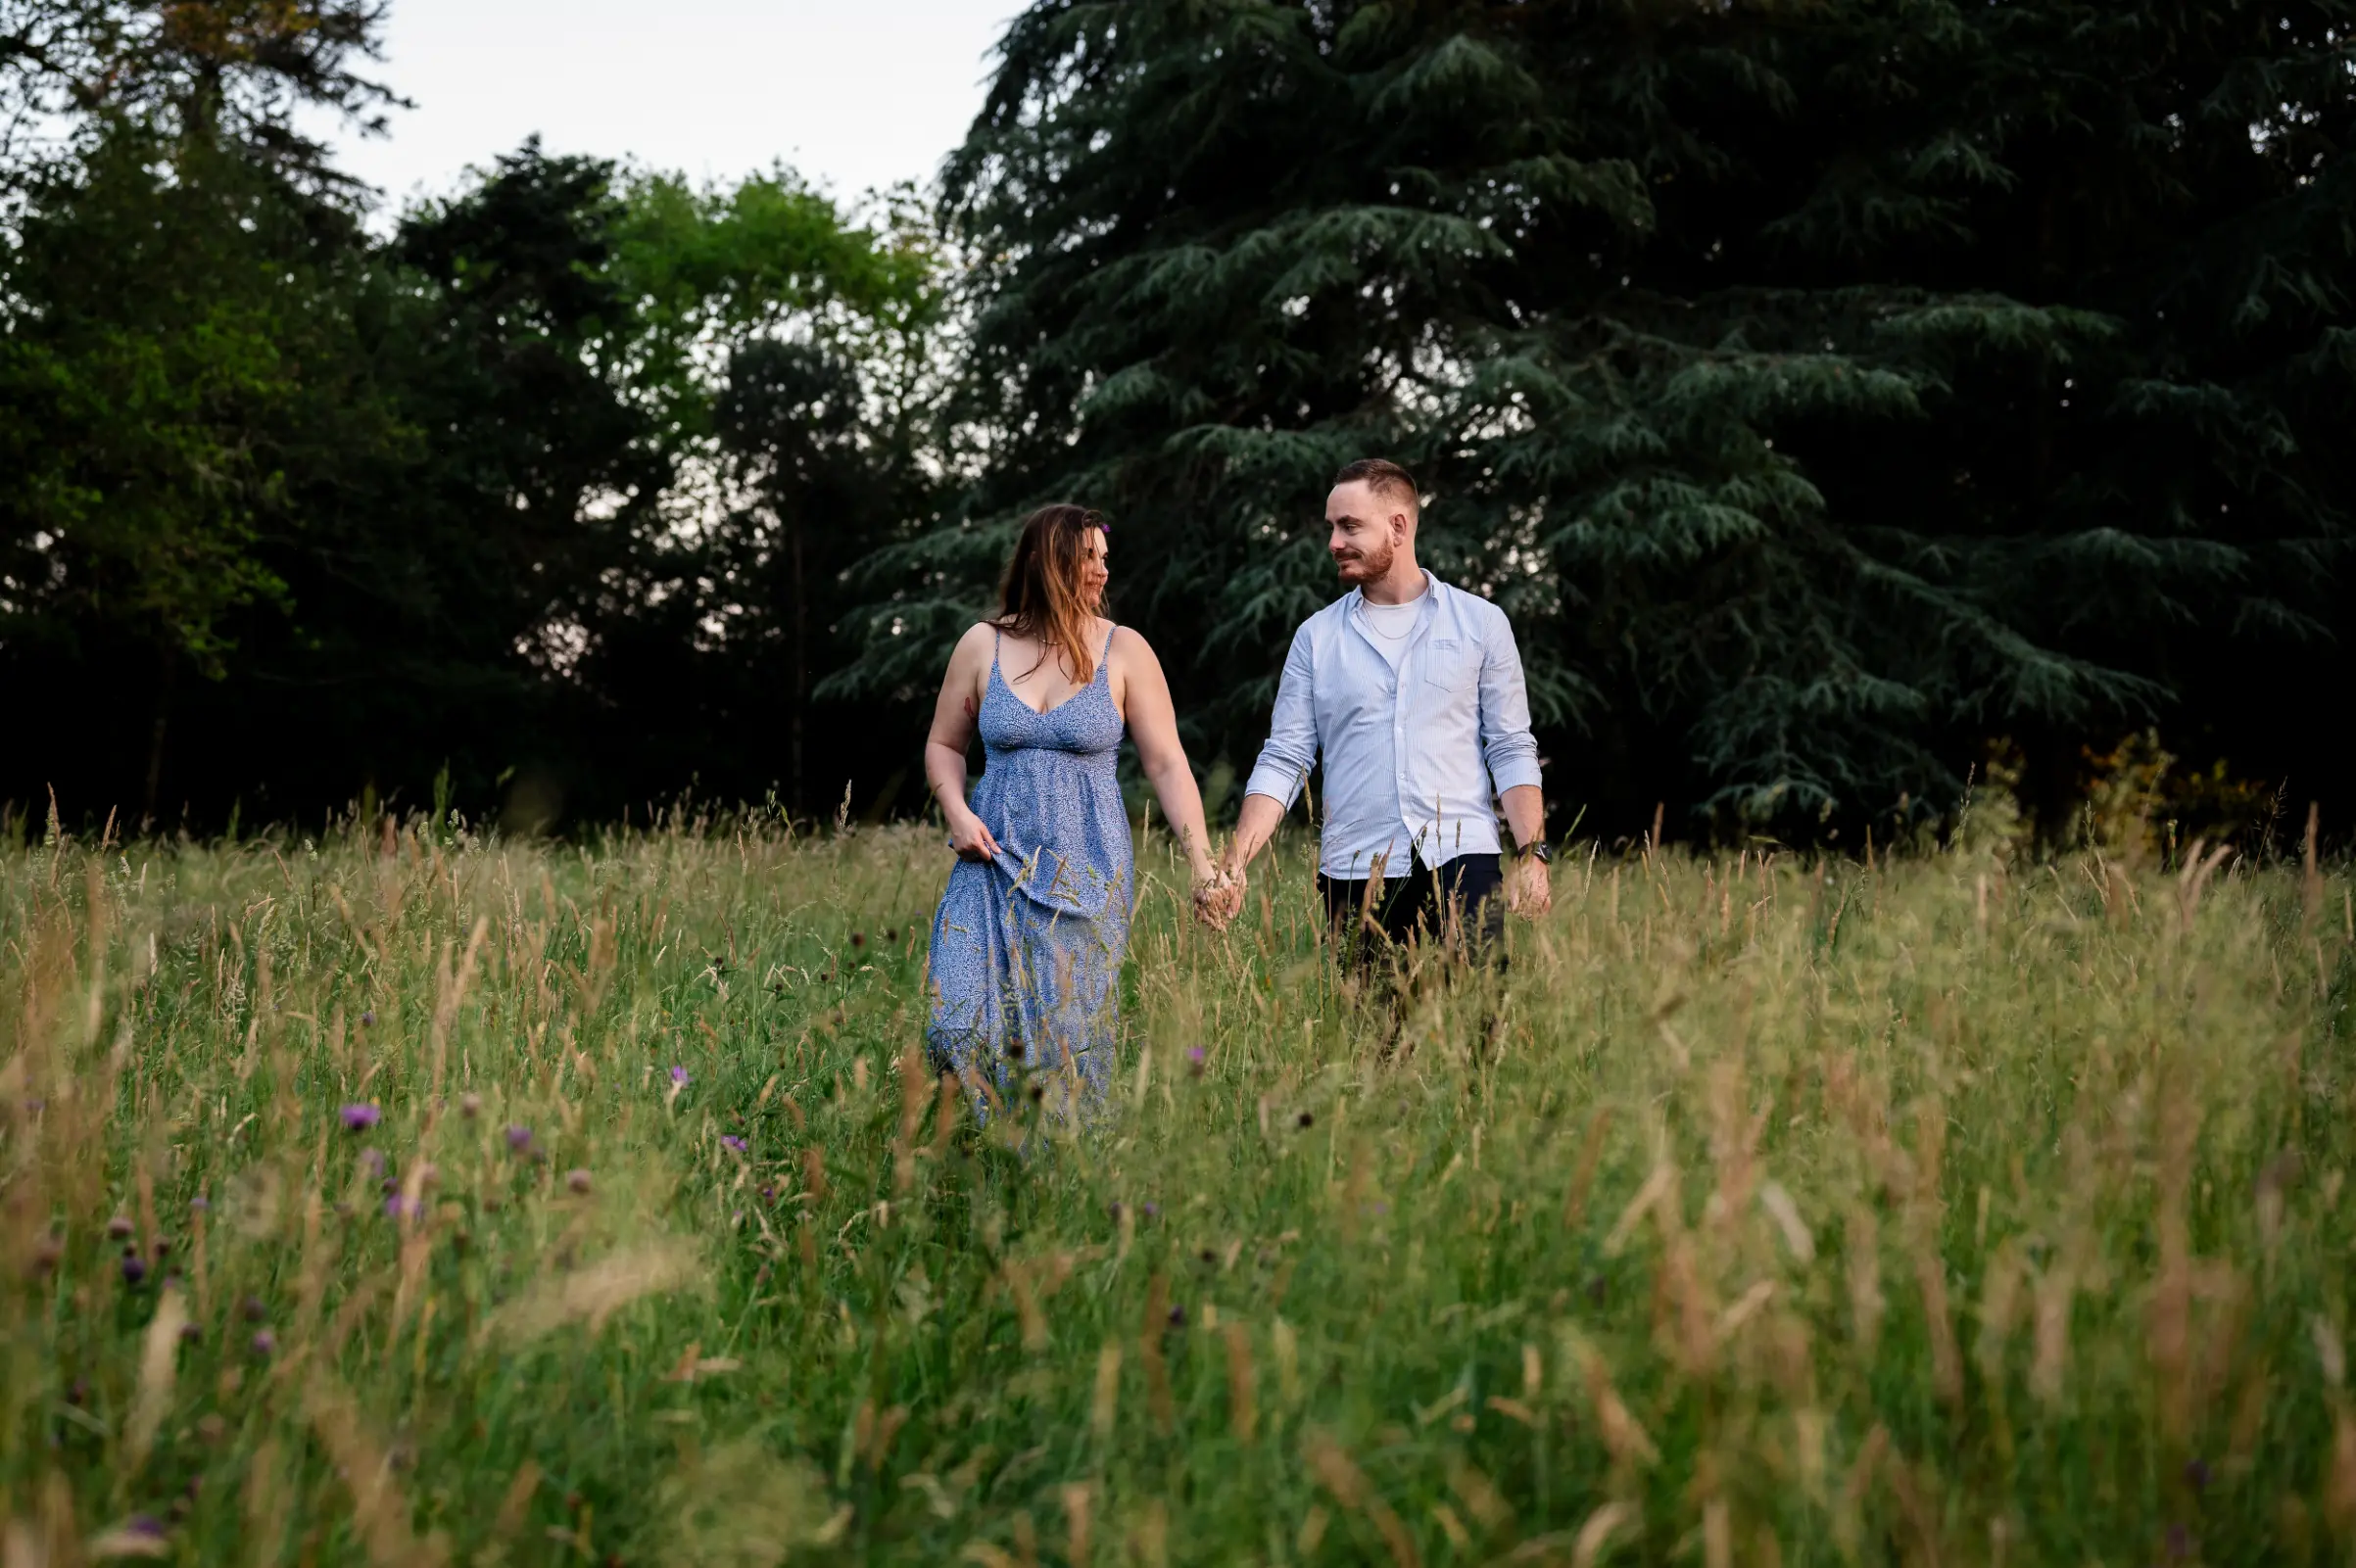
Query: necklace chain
x=1365, y=609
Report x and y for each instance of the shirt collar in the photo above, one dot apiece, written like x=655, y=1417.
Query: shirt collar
x=1430, y=596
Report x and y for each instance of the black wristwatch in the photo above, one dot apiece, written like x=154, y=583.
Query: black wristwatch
x=1541, y=851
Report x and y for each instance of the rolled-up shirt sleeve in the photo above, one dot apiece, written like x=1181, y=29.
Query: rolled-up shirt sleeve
x=1291, y=751
x=1507, y=744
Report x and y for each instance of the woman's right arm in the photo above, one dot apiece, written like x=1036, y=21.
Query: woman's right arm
x=955, y=717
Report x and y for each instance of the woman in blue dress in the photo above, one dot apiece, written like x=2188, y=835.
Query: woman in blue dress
x=1026, y=948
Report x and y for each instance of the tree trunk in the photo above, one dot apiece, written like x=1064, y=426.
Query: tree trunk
x=795, y=723
x=167, y=672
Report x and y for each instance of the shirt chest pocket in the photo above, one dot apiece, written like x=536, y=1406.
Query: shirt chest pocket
x=1450, y=664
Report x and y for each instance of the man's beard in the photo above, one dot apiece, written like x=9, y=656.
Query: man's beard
x=1372, y=564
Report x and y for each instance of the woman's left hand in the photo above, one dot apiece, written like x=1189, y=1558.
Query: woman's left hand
x=1217, y=899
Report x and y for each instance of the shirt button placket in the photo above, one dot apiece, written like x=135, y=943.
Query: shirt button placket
x=1399, y=752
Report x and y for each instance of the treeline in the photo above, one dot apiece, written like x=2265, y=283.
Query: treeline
x=1841, y=397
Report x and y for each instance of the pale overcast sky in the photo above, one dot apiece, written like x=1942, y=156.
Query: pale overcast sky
x=856, y=94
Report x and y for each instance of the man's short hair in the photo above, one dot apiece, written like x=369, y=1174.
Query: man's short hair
x=1385, y=478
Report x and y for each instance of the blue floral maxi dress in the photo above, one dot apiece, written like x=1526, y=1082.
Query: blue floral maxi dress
x=1026, y=948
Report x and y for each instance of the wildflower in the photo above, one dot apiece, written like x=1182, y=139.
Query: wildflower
x=367, y=1018
x=191, y=1333
x=1114, y=1208
x=266, y=1342
x=134, y=1269
x=892, y=934
x=120, y=1226
x=35, y=1106
x=858, y=938
x=1307, y=1118
x=729, y=1140
x=469, y=1105
x=679, y=1077
x=200, y=1204
x=254, y=1310
x=396, y=1206
x=1177, y=1317
x=520, y=1138
x=577, y=1179
x=373, y=1159
x=1152, y=1210
x=359, y=1118
x=144, y=1524
x=1194, y=1061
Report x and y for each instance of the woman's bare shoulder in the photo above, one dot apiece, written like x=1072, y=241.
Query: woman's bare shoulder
x=1129, y=644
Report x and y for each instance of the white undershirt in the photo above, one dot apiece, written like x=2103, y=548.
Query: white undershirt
x=1391, y=626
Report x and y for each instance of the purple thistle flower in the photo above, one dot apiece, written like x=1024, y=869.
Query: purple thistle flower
x=254, y=1310
x=520, y=1138
x=577, y=1179
x=360, y=1117
x=134, y=1269
x=469, y=1104
x=368, y=1017
x=729, y=1140
x=191, y=1333
x=1152, y=1211
x=679, y=1077
x=200, y=1204
x=266, y=1342
x=120, y=1226
x=144, y=1524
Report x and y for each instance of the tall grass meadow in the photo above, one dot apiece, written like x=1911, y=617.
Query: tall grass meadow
x=403, y=1196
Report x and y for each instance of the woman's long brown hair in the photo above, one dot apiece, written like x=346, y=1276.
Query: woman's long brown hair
x=1040, y=597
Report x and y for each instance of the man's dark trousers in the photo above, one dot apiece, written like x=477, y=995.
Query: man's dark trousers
x=1465, y=896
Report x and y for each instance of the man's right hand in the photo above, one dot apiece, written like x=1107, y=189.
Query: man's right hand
x=970, y=837
x=1219, y=901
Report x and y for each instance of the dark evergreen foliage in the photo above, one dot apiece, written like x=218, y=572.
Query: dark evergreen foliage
x=1828, y=390
x=1824, y=389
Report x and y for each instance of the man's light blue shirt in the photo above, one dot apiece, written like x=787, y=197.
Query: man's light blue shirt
x=1410, y=756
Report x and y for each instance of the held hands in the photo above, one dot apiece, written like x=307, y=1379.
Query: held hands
x=1218, y=896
